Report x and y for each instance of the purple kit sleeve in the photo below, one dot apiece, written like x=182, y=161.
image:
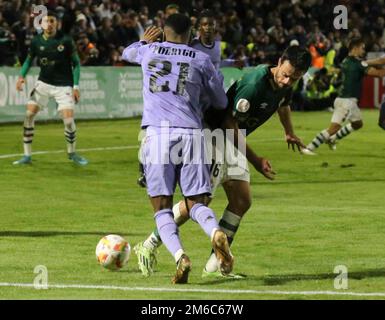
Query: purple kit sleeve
x=214, y=86
x=134, y=52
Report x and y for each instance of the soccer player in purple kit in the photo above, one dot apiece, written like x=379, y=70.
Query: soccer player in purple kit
x=206, y=41
x=175, y=76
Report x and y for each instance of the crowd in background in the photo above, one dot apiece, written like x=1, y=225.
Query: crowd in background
x=251, y=31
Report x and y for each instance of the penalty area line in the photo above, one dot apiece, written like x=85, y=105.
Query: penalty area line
x=196, y=290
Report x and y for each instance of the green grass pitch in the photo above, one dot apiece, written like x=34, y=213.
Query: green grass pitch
x=319, y=213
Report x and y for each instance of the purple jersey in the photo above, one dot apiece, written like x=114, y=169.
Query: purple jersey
x=175, y=77
x=213, y=51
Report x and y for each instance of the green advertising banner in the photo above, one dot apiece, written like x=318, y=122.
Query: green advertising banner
x=106, y=93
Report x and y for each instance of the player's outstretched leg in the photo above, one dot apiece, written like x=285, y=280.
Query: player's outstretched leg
x=70, y=136
x=28, y=133
x=381, y=119
x=146, y=251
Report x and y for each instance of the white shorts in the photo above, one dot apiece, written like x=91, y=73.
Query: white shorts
x=228, y=164
x=346, y=109
x=42, y=92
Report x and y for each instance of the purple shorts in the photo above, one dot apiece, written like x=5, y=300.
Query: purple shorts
x=175, y=155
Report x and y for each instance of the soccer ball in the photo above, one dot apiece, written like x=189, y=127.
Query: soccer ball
x=113, y=252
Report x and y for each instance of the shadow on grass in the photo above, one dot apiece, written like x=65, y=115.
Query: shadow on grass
x=63, y=233
x=276, y=280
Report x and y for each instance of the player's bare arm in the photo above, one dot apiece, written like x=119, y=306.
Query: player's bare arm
x=376, y=62
x=260, y=164
x=375, y=72
x=291, y=139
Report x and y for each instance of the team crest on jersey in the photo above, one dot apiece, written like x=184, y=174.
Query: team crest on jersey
x=243, y=105
x=60, y=48
x=44, y=61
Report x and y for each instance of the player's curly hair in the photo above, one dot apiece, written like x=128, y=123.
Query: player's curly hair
x=207, y=13
x=298, y=57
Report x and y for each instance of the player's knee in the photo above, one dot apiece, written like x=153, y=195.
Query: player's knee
x=69, y=124
x=357, y=125
x=29, y=115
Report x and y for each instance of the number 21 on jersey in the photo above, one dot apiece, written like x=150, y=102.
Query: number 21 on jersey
x=162, y=68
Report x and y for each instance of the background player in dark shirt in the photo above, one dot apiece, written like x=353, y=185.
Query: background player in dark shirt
x=58, y=78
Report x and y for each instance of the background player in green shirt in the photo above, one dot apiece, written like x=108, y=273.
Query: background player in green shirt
x=58, y=78
x=252, y=101
x=346, y=105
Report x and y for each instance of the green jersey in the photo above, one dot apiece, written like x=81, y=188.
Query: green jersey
x=56, y=57
x=353, y=71
x=252, y=99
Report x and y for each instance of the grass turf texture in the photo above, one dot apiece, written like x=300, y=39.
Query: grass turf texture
x=320, y=212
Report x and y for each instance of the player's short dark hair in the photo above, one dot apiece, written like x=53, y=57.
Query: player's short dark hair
x=172, y=6
x=355, y=42
x=298, y=57
x=52, y=13
x=178, y=22
x=206, y=14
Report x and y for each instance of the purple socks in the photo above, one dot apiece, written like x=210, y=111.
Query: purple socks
x=168, y=230
x=205, y=217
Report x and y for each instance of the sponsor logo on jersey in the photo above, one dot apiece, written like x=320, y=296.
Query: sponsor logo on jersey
x=60, y=48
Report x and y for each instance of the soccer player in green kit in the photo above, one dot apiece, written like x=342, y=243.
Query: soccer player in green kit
x=252, y=101
x=346, y=105
x=59, y=79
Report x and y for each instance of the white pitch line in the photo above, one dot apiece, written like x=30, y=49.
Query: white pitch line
x=5, y=156
x=186, y=290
